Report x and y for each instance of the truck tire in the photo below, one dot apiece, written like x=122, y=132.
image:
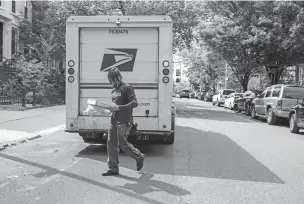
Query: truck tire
x=293, y=124
x=98, y=140
x=170, y=139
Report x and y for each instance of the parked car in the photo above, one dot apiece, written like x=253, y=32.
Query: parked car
x=296, y=117
x=208, y=97
x=221, y=96
x=244, y=103
x=229, y=102
x=276, y=102
x=184, y=94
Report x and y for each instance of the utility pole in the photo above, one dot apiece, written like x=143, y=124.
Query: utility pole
x=226, y=75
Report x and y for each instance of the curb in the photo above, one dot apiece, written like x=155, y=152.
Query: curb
x=33, y=136
x=20, y=141
x=19, y=108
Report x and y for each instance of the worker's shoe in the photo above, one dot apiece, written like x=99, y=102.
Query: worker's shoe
x=110, y=173
x=140, y=163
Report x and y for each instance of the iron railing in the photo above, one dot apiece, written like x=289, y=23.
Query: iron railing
x=11, y=99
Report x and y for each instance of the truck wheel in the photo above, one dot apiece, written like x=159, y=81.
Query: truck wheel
x=271, y=117
x=293, y=124
x=170, y=139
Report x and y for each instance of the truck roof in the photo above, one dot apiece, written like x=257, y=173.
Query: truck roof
x=72, y=19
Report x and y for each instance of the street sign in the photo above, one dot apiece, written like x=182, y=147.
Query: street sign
x=178, y=73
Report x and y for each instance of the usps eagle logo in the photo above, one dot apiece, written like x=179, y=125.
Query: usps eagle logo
x=123, y=59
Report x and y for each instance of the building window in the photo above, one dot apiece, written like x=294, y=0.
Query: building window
x=13, y=6
x=14, y=41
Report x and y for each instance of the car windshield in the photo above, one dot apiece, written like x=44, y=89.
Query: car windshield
x=227, y=92
x=293, y=92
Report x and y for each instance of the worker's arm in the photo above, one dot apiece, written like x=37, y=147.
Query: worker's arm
x=130, y=94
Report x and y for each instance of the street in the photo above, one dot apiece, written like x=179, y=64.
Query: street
x=218, y=157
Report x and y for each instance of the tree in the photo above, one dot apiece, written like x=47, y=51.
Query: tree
x=225, y=32
x=252, y=35
x=204, y=66
x=185, y=16
x=50, y=17
x=30, y=77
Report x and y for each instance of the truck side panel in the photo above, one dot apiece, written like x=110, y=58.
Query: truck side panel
x=72, y=89
x=165, y=89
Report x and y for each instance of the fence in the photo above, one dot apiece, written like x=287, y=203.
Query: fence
x=9, y=99
x=16, y=101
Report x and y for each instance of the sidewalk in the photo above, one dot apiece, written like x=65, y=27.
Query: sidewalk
x=19, y=126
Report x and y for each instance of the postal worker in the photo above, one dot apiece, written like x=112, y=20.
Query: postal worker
x=124, y=98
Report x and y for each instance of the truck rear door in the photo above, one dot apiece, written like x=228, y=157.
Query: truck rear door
x=133, y=50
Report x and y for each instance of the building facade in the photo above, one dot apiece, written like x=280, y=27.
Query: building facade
x=11, y=12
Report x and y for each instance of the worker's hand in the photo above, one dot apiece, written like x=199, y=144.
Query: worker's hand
x=114, y=107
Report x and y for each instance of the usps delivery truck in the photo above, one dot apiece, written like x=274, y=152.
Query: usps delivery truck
x=141, y=48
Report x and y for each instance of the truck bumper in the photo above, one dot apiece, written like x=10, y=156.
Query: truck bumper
x=140, y=134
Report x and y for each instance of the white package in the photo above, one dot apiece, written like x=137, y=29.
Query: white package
x=93, y=108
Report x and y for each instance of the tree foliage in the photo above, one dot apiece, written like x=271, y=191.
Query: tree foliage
x=49, y=18
x=204, y=66
x=253, y=34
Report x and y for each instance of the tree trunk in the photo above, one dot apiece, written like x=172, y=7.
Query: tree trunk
x=244, y=83
x=34, y=97
x=23, y=98
x=274, y=74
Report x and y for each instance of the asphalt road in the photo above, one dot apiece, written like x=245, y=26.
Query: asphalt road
x=218, y=157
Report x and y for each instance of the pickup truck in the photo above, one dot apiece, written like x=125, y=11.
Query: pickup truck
x=221, y=96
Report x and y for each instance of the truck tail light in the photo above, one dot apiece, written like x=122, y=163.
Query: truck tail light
x=279, y=104
x=166, y=79
x=166, y=71
x=70, y=79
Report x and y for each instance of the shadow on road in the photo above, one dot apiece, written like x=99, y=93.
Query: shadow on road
x=145, y=184
x=211, y=114
x=195, y=153
x=52, y=171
